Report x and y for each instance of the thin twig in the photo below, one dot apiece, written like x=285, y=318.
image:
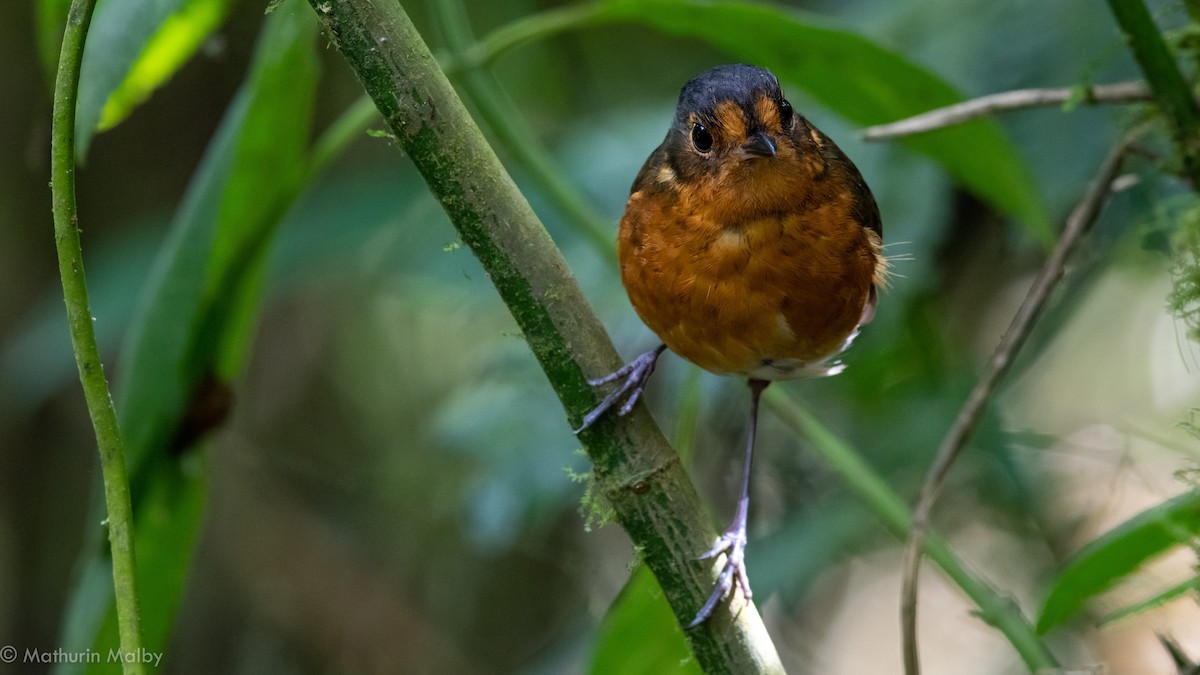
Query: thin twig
x=1119, y=92
x=992, y=606
x=119, y=519
x=1078, y=223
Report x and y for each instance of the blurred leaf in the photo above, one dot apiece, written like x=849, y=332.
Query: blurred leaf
x=1156, y=600
x=1119, y=552
x=191, y=331
x=91, y=597
x=166, y=531
x=133, y=47
x=1184, y=665
x=171, y=46
x=856, y=78
x=640, y=635
x=51, y=21
x=214, y=252
x=1184, y=299
x=810, y=541
x=36, y=361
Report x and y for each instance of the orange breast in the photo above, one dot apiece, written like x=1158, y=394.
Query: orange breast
x=763, y=297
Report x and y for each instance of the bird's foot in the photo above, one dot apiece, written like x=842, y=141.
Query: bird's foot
x=733, y=544
x=635, y=373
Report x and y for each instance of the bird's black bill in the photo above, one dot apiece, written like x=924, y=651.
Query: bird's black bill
x=759, y=145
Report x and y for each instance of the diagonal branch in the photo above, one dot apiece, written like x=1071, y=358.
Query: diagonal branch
x=1119, y=92
x=635, y=468
x=1078, y=223
x=992, y=606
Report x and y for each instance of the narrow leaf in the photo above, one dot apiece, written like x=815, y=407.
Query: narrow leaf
x=640, y=635
x=1118, y=553
x=859, y=80
x=134, y=47
x=248, y=178
x=51, y=20
x=177, y=38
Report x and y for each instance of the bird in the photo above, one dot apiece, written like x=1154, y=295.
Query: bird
x=752, y=247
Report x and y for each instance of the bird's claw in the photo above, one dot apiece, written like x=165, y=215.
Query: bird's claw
x=733, y=544
x=635, y=373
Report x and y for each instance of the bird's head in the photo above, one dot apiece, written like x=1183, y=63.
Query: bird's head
x=735, y=136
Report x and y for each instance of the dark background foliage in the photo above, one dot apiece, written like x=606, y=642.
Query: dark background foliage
x=392, y=488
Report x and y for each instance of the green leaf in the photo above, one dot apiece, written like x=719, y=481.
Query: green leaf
x=1118, y=553
x=213, y=256
x=177, y=38
x=51, y=21
x=134, y=47
x=640, y=635
x=166, y=530
x=192, y=329
x=859, y=80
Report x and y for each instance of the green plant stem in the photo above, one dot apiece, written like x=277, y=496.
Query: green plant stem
x=532, y=27
x=996, y=609
x=634, y=466
x=1172, y=92
x=83, y=337
x=345, y=129
x=688, y=412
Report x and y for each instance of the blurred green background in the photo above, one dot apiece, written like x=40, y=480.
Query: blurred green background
x=393, y=488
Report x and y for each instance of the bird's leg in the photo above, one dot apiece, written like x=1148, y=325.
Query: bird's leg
x=733, y=541
x=636, y=373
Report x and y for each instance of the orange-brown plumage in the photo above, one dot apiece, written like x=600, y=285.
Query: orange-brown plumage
x=752, y=265
x=751, y=246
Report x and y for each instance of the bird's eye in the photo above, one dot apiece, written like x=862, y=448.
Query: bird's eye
x=701, y=138
x=785, y=113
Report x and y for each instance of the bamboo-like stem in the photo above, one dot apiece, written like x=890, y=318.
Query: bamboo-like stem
x=1078, y=223
x=1162, y=73
x=1118, y=92
x=635, y=468
x=83, y=336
